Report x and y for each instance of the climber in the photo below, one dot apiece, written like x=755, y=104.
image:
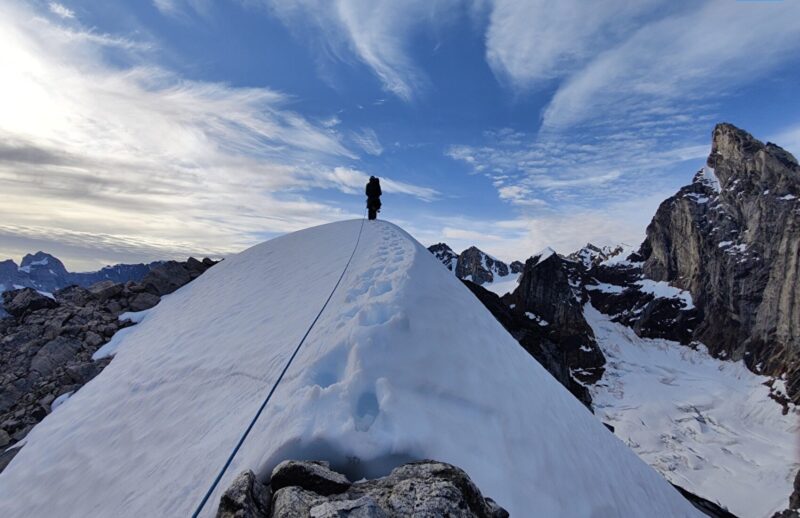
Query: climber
x=373, y=197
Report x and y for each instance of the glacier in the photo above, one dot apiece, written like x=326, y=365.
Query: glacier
x=404, y=364
x=708, y=425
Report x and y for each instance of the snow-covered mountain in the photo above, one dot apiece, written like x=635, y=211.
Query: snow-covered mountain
x=404, y=363
x=591, y=255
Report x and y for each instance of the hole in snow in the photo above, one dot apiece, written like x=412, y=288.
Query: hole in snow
x=367, y=410
x=341, y=460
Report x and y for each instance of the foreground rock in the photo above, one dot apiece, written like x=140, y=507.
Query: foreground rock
x=46, y=345
x=303, y=489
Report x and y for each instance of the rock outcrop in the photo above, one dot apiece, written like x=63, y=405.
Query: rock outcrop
x=732, y=239
x=534, y=338
x=443, y=253
x=46, y=346
x=425, y=488
x=550, y=294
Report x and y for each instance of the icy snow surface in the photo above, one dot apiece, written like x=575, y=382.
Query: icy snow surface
x=707, y=425
x=544, y=254
x=621, y=259
x=605, y=287
x=502, y=285
x=708, y=176
x=662, y=289
x=405, y=363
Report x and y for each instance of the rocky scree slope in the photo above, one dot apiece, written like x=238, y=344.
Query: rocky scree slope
x=47, y=344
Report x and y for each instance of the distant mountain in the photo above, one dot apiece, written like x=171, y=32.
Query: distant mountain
x=44, y=272
x=477, y=266
x=591, y=255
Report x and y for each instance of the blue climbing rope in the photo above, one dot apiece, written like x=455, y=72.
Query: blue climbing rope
x=277, y=382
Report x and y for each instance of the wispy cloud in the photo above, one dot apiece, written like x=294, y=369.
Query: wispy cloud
x=529, y=42
x=368, y=140
x=679, y=60
x=61, y=10
x=377, y=32
x=142, y=154
x=521, y=237
x=539, y=171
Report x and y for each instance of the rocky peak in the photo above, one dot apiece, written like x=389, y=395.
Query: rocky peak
x=42, y=261
x=445, y=254
x=479, y=267
x=737, y=155
x=516, y=266
x=590, y=255
x=732, y=239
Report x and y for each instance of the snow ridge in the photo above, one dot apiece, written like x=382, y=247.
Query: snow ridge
x=405, y=364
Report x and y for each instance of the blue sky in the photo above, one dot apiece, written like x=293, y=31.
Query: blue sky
x=141, y=130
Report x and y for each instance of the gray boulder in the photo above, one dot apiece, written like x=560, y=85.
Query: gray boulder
x=142, y=301
x=105, y=290
x=314, y=476
x=20, y=302
x=245, y=498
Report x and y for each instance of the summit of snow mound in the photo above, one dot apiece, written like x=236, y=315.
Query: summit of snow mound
x=403, y=364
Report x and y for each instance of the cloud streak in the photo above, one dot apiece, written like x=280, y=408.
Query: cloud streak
x=144, y=155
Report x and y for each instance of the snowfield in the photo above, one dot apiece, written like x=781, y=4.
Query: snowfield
x=405, y=363
x=708, y=425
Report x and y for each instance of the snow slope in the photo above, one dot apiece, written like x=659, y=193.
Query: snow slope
x=707, y=425
x=503, y=284
x=405, y=363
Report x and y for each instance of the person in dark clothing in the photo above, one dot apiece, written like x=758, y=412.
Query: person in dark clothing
x=373, y=197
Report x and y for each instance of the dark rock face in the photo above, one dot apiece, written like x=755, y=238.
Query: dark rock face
x=547, y=295
x=478, y=267
x=535, y=339
x=649, y=316
x=425, y=488
x=516, y=266
x=706, y=507
x=732, y=238
x=46, y=346
x=444, y=254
